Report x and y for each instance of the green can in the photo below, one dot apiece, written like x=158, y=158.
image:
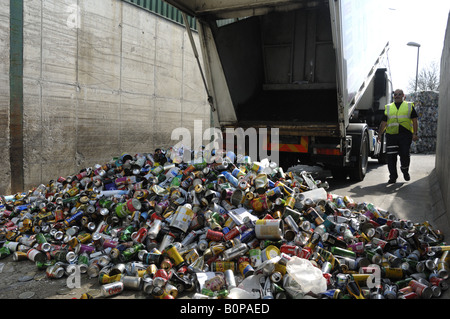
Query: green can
x=121, y=210
x=343, y=252
x=40, y=237
x=106, y=203
x=83, y=259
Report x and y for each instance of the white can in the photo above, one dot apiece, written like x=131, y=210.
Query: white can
x=182, y=217
x=112, y=289
x=269, y=229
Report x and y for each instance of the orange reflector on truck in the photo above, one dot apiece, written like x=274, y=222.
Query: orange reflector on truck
x=291, y=148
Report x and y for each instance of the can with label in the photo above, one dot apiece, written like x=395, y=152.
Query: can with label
x=422, y=290
x=255, y=257
x=55, y=271
x=36, y=255
x=235, y=231
x=292, y=250
x=112, y=289
x=244, y=267
x=172, y=251
x=222, y=266
x=269, y=229
x=214, y=235
x=269, y=252
x=182, y=217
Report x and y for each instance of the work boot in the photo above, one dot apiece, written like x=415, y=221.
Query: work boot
x=405, y=174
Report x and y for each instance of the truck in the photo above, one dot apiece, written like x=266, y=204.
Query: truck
x=317, y=70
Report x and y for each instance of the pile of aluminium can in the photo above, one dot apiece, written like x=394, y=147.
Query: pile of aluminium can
x=426, y=104
x=228, y=229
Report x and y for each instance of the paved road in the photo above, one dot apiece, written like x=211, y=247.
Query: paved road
x=412, y=200
x=407, y=200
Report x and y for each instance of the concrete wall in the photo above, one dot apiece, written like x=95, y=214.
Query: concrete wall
x=443, y=132
x=5, y=171
x=101, y=78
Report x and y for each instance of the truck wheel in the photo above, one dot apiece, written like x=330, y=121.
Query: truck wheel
x=358, y=172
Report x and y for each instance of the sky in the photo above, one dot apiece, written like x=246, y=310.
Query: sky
x=423, y=22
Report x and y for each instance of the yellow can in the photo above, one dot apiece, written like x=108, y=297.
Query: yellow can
x=174, y=255
x=269, y=252
x=84, y=238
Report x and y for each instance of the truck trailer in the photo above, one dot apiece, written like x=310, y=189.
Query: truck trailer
x=317, y=70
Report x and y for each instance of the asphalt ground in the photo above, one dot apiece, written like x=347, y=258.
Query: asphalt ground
x=416, y=200
x=410, y=200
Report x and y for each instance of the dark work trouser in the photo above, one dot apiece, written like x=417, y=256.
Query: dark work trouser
x=398, y=144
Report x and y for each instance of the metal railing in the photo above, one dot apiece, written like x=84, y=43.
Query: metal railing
x=165, y=10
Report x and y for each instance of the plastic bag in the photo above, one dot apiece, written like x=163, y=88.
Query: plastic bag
x=309, y=278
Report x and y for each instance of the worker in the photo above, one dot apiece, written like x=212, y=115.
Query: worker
x=400, y=121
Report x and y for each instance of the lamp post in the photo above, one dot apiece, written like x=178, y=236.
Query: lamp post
x=417, y=45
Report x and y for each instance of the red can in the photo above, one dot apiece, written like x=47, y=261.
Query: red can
x=214, y=235
x=422, y=290
x=440, y=282
x=393, y=233
x=305, y=253
x=329, y=278
x=140, y=235
x=161, y=273
x=290, y=249
x=232, y=233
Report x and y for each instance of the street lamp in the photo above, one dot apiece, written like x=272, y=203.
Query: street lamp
x=417, y=45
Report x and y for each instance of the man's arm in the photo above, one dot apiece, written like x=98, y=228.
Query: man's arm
x=383, y=125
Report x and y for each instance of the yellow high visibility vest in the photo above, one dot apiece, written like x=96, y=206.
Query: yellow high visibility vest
x=397, y=117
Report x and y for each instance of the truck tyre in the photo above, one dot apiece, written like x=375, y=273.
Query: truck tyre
x=358, y=172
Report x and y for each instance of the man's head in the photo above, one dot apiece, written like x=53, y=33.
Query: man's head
x=398, y=96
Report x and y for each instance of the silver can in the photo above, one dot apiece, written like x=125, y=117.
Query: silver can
x=230, y=280
x=132, y=283
x=112, y=289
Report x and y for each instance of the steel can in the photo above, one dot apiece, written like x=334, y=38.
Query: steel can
x=19, y=256
x=140, y=235
x=244, y=267
x=269, y=229
x=172, y=251
x=112, y=289
x=292, y=250
x=214, y=235
x=36, y=255
x=269, y=252
x=166, y=264
x=235, y=231
x=55, y=271
x=182, y=217
x=342, y=281
x=230, y=280
x=255, y=257
x=132, y=282
x=422, y=290
x=222, y=266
